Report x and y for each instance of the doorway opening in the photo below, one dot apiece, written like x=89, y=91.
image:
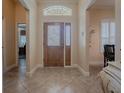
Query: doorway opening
x=22, y=24
x=21, y=44
x=57, y=44
x=100, y=20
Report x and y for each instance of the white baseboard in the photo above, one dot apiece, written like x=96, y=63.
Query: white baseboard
x=80, y=68
x=68, y=66
x=33, y=70
x=73, y=65
x=9, y=68
x=83, y=71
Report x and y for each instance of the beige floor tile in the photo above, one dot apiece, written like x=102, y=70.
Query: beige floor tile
x=50, y=80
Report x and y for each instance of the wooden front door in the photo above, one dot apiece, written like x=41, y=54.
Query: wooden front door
x=54, y=44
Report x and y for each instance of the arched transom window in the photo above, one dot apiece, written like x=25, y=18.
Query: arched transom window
x=57, y=11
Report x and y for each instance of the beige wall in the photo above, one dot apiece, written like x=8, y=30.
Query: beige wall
x=96, y=15
x=72, y=19
x=82, y=35
x=9, y=33
x=20, y=16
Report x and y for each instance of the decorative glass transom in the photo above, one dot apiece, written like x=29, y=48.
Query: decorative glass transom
x=57, y=11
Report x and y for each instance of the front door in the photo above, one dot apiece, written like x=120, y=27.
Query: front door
x=53, y=44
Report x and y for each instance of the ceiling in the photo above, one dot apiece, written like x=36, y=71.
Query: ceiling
x=98, y=3
x=104, y=3
x=71, y=1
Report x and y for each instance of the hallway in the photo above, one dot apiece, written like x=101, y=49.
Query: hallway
x=51, y=80
x=63, y=48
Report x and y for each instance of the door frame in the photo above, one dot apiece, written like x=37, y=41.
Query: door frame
x=43, y=60
x=27, y=37
x=3, y=45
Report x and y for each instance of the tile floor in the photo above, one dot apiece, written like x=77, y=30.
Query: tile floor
x=50, y=80
x=94, y=69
